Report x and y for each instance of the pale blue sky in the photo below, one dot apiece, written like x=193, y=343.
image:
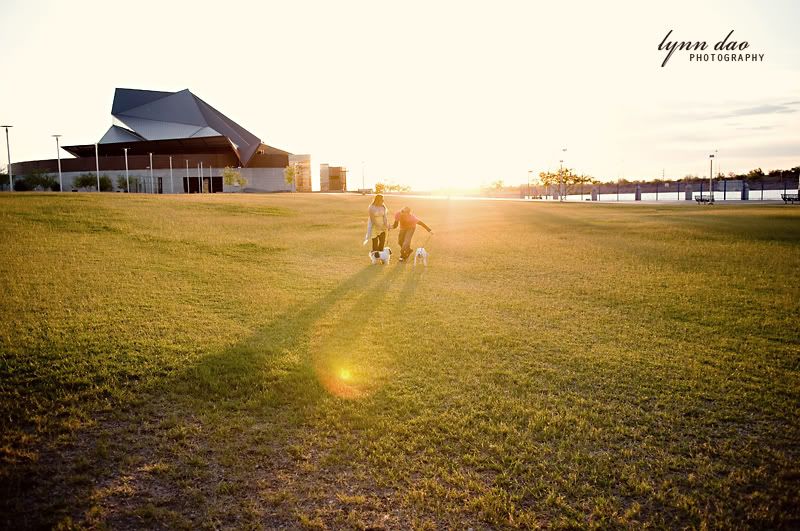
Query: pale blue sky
x=425, y=93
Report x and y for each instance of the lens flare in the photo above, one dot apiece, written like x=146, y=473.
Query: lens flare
x=342, y=381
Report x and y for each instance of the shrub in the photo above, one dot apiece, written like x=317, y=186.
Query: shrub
x=105, y=184
x=122, y=183
x=233, y=177
x=89, y=180
x=37, y=180
x=22, y=185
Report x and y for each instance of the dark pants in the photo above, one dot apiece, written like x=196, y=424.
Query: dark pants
x=379, y=241
x=404, y=239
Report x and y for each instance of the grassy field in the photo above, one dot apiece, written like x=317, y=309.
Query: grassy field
x=234, y=361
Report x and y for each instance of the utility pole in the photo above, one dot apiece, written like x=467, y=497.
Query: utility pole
x=8, y=151
x=58, y=155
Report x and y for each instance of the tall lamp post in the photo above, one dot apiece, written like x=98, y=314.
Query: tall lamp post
x=561, y=177
x=152, y=182
x=127, y=177
x=58, y=155
x=529, y=183
x=171, y=182
x=711, y=179
x=97, y=164
x=8, y=151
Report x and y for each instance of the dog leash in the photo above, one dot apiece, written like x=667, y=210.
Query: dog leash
x=430, y=234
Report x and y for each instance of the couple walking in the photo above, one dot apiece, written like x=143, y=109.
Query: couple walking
x=378, y=227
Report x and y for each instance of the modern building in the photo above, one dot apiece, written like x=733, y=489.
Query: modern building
x=302, y=166
x=332, y=178
x=172, y=142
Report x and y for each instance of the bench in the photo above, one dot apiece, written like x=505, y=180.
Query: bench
x=703, y=199
x=790, y=198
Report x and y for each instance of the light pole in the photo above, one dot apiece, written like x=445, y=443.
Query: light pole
x=58, y=155
x=561, y=178
x=8, y=151
x=152, y=182
x=200, y=179
x=529, y=183
x=97, y=164
x=171, y=182
x=710, y=179
x=127, y=178
x=187, y=175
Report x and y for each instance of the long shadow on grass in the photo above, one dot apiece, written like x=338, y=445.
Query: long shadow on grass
x=163, y=463
x=278, y=365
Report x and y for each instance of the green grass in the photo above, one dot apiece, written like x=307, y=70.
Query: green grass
x=234, y=361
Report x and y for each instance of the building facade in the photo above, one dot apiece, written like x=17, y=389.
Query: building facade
x=169, y=142
x=332, y=178
x=302, y=166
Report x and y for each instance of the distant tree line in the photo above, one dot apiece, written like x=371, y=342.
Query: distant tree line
x=754, y=175
x=390, y=187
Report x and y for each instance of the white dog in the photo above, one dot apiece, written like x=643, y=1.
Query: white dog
x=421, y=254
x=381, y=256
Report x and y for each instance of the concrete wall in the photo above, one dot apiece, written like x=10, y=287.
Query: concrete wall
x=324, y=178
x=262, y=180
x=258, y=179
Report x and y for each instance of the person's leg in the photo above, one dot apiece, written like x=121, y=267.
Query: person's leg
x=407, y=242
x=376, y=243
x=382, y=237
x=401, y=234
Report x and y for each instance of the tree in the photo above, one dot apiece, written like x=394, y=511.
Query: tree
x=755, y=175
x=38, y=180
x=390, y=187
x=89, y=180
x=290, y=174
x=122, y=183
x=233, y=177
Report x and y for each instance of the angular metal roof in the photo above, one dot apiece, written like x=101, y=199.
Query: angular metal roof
x=153, y=115
x=119, y=134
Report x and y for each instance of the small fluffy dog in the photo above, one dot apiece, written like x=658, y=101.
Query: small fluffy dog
x=422, y=255
x=381, y=256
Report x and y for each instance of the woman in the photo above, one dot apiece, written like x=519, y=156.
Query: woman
x=377, y=224
x=408, y=223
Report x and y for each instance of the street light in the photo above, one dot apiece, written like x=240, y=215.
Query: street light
x=127, y=178
x=171, y=182
x=529, y=183
x=97, y=164
x=152, y=182
x=561, y=178
x=8, y=150
x=58, y=155
x=711, y=179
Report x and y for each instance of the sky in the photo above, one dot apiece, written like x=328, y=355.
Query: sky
x=431, y=94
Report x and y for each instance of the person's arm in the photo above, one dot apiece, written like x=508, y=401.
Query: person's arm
x=396, y=220
x=369, y=231
x=385, y=217
x=420, y=222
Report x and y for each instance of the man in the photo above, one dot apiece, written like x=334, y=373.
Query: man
x=408, y=223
